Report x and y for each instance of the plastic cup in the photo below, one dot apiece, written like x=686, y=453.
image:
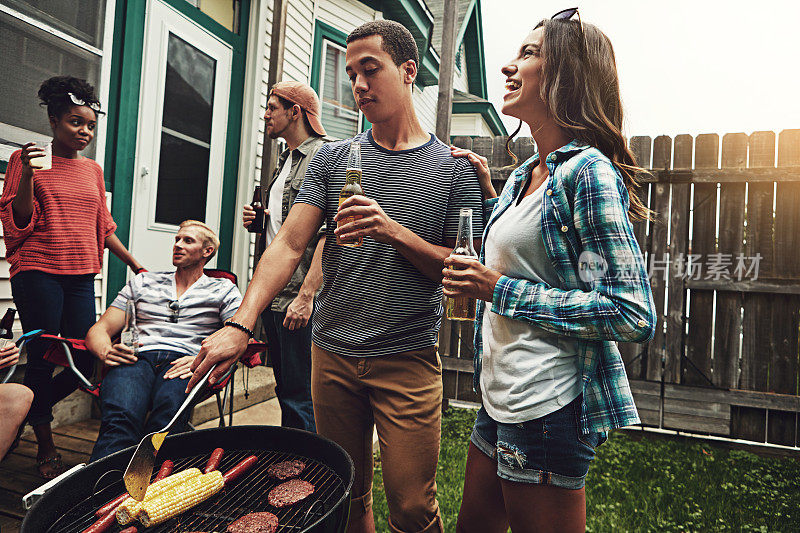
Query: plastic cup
x=44, y=162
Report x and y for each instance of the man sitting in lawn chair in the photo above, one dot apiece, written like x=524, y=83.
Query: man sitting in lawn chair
x=175, y=311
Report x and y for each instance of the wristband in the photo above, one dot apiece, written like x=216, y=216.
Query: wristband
x=240, y=327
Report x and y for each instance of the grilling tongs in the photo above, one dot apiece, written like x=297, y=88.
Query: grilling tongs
x=137, y=475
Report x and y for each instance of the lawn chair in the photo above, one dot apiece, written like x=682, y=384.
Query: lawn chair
x=60, y=352
x=21, y=342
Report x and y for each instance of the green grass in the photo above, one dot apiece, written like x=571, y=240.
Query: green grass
x=648, y=484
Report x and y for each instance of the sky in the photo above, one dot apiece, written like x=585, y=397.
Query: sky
x=685, y=66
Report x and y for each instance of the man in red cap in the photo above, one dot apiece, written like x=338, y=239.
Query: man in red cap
x=293, y=113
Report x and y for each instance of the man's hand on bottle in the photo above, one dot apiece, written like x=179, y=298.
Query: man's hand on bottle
x=223, y=348
x=119, y=354
x=9, y=355
x=466, y=276
x=249, y=215
x=373, y=221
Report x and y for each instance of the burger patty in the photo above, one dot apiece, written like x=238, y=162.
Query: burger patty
x=255, y=523
x=289, y=493
x=286, y=469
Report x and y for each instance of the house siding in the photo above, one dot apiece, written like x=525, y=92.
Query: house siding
x=460, y=78
x=470, y=124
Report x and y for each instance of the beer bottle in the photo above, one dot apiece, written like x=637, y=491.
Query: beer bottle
x=130, y=335
x=462, y=308
x=7, y=326
x=352, y=186
x=257, y=225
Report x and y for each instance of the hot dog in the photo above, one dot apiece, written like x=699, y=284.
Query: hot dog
x=166, y=469
x=103, y=524
x=213, y=461
x=239, y=470
x=131, y=529
x=111, y=506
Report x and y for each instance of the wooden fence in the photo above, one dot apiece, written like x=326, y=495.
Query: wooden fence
x=724, y=262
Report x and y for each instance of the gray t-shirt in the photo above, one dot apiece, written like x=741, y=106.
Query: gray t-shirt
x=526, y=372
x=373, y=300
x=202, y=309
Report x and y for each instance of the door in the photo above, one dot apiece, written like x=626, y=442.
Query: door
x=183, y=111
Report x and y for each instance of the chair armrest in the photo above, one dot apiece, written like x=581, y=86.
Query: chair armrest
x=67, y=345
x=21, y=342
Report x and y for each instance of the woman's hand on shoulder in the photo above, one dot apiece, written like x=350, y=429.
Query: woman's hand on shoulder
x=464, y=276
x=481, y=165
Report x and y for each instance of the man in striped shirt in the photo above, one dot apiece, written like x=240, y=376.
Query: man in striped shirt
x=175, y=311
x=374, y=362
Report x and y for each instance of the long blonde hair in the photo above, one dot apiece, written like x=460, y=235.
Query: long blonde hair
x=581, y=88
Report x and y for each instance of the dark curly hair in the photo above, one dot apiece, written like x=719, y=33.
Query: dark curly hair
x=397, y=40
x=54, y=94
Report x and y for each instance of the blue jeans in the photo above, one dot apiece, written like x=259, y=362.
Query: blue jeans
x=550, y=450
x=290, y=355
x=58, y=304
x=128, y=392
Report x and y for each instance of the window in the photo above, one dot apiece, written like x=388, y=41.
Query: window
x=226, y=12
x=41, y=39
x=340, y=115
x=185, y=134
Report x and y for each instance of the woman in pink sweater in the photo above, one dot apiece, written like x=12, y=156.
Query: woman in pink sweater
x=56, y=225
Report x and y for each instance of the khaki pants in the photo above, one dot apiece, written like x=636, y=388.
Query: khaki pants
x=401, y=395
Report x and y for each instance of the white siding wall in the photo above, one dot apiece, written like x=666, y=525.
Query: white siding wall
x=425, y=104
x=470, y=124
x=345, y=15
x=460, y=78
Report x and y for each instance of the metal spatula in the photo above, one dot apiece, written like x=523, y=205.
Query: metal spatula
x=137, y=475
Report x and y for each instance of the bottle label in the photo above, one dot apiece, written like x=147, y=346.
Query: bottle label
x=353, y=175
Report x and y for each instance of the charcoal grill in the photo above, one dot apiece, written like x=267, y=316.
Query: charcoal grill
x=70, y=505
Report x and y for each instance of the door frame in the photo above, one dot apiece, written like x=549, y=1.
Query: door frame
x=123, y=118
x=151, y=117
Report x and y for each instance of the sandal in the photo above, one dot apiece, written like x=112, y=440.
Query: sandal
x=56, y=467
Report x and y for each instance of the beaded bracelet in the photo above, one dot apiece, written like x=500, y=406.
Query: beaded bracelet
x=240, y=327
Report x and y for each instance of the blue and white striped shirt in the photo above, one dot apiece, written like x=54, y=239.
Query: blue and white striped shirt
x=202, y=310
x=374, y=302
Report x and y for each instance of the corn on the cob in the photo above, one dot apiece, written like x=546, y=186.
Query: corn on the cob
x=129, y=509
x=180, y=498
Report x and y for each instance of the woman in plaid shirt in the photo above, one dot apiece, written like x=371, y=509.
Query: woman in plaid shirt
x=560, y=279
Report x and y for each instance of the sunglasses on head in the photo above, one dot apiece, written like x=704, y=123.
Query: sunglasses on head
x=567, y=14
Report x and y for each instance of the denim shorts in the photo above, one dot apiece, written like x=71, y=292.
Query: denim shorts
x=549, y=450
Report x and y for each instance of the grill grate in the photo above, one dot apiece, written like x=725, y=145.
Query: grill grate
x=248, y=495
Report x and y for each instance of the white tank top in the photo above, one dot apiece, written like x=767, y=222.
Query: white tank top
x=275, y=201
x=526, y=372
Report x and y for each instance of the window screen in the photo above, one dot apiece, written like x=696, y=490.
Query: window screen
x=28, y=56
x=82, y=19
x=340, y=116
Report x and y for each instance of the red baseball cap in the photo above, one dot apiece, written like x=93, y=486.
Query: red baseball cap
x=304, y=96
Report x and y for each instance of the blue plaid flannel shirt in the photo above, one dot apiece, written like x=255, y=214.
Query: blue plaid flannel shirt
x=605, y=293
